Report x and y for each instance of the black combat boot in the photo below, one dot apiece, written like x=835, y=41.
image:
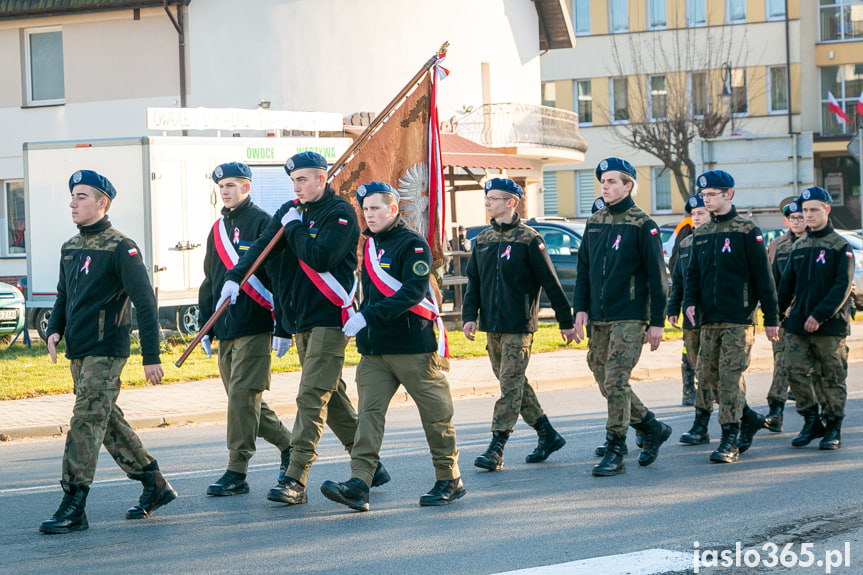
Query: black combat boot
x=812, y=428
x=289, y=491
x=157, y=492
x=231, y=483
x=727, y=450
x=655, y=433
x=549, y=441
x=443, y=493
x=698, y=434
x=773, y=421
x=832, y=434
x=381, y=475
x=612, y=462
x=70, y=516
x=492, y=459
x=600, y=450
x=688, y=375
x=354, y=493
x=750, y=423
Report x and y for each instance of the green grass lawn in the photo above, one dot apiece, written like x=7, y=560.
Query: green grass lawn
x=30, y=373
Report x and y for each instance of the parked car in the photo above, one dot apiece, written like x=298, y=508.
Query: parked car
x=855, y=239
x=11, y=312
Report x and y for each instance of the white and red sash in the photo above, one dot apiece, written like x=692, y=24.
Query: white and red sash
x=388, y=285
x=254, y=288
x=328, y=285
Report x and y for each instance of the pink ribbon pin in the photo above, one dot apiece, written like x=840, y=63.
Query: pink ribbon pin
x=86, y=267
x=506, y=252
x=726, y=247
x=616, y=244
x=820, y=258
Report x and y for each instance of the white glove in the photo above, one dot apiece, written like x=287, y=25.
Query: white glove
x=292, y=216
x=281, y=345
x=354, y=325
x=230, y=290
x=205, y=345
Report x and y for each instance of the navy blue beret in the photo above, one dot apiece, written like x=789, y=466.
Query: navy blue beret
x=717, y=179
x=376, y=188
x=814, y=193
x=94, y=180
x=598, y=204
x=614, y=165
x=791, y=207
x=694, y=201
x=504, y=185
x=305, y=160
x=232, y=170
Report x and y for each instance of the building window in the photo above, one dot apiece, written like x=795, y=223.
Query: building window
x=585, y=102
x=656, y=14
x=43, y=51
x=658, y=104
x=661, y=186
x=841, y=20
x=619, y=100
x=619, y=16
x=585, y=190
x=846, y=84
x=739, y=96
x=777, y=89
x=549, y=94
x=12, y=212
x=581, y=17
x=549, y=194
x=775, y=9
x=698, y=96
x=696, y=13
x=735, y=11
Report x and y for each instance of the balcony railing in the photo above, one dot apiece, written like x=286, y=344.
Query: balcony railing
x=510, y=125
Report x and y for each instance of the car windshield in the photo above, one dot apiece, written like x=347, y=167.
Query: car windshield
x=853, y=238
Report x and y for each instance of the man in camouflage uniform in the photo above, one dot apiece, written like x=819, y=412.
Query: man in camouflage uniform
x=620, y=290
x=100, y=271
x=728, y=274
x=778, y=253
x=816, y=283
x=508, y=267
x=703, y=397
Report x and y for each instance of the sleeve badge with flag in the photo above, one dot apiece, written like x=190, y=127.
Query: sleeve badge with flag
x=343, y=221
x=419, y=250
x=541, y=246
x=848, y=254
x=133, y=252
x=654, y=231
x=759, y=238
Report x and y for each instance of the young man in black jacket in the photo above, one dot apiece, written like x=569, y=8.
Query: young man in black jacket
x=395, y=335
x=507, y=268
x=322, y=239
x=816, y=283
x=244, y=331
x=620, y=290
x=100, y=271
x=727, y=276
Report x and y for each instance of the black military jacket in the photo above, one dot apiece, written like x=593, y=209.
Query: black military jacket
x=100, y=271
x=392, y=328
x=728, y=273
x=621, y=272
x=781, y=254
x=678, y=278
x=325, y=239
x=817, y=282
x=507, y=269
x=246, y=317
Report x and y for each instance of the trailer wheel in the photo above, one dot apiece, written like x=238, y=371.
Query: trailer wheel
x=187, y=319
x=41, y=319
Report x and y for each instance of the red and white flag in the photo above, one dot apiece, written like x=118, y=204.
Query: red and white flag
x=841, y=117
x=860, y=104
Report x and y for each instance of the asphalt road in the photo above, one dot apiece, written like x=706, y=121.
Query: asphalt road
x=524, y=516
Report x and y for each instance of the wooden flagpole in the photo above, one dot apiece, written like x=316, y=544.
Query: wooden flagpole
x=340, y=163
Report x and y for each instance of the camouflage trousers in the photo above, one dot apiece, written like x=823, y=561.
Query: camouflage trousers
x=779, y=388
x=378, y=379
x=722, y=358
x=613, y=351
x=828, y=356
x=97, y=421
x=509, y=354
x=322, y=396
x=244, y=364
x=704, y=396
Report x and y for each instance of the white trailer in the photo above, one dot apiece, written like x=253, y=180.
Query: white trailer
x=166, y=202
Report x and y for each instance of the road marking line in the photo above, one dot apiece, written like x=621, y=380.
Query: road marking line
x=648, y=562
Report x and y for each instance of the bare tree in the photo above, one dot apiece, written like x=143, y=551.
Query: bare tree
x=664, y=111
